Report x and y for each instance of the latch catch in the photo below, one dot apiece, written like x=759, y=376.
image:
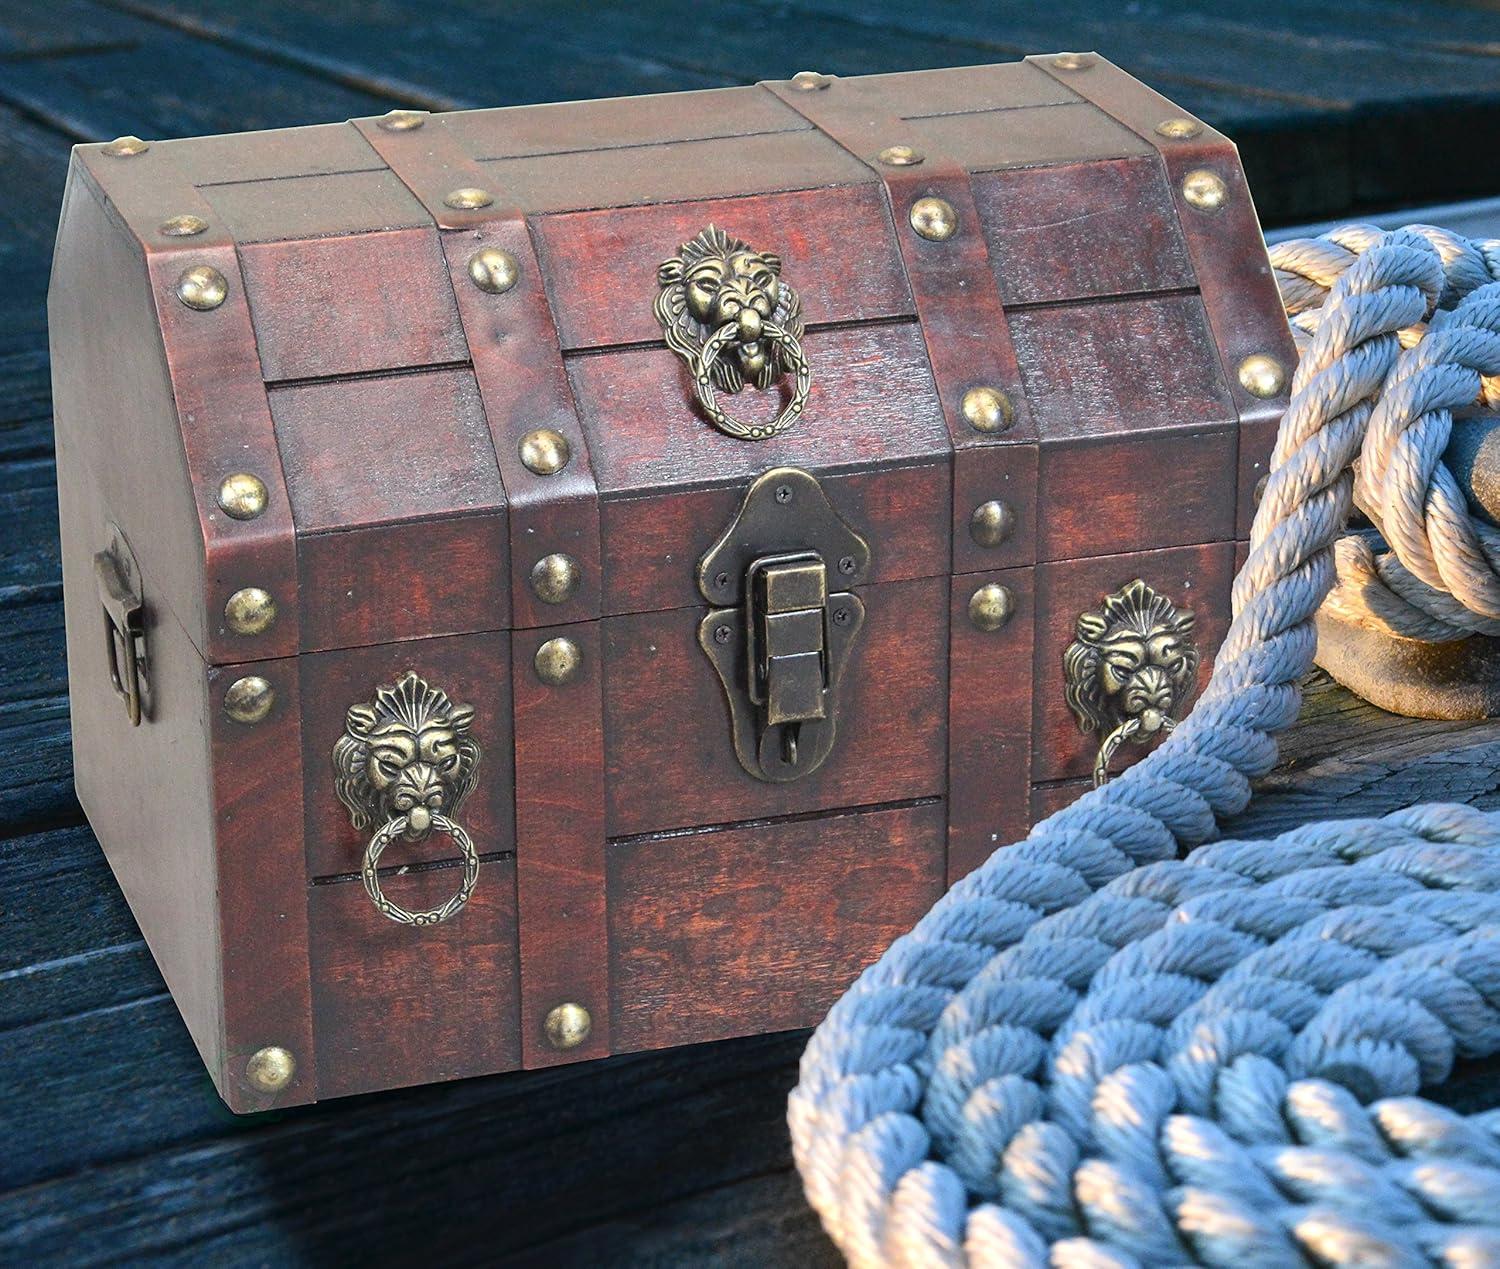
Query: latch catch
x=781, y=650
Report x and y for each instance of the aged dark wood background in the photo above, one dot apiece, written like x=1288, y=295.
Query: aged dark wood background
x=113, y=1145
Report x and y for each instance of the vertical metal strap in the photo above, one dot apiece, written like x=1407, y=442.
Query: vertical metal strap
x=1237, y=286
x=555, y=556
x=968, y=347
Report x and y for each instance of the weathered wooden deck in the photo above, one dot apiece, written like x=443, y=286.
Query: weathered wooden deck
x=113, y=1145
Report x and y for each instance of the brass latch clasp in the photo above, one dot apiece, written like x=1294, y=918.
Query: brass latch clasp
x=119, y=583
x=781, y=650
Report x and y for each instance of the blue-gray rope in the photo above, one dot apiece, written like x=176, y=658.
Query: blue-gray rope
x=1094, y=1053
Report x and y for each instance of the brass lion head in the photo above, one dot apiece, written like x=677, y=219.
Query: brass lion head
x=716, y=281
x=408, y=753
x=1133, y=658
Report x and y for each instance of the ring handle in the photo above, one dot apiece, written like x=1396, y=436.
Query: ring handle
x=370, y=874
x=703, y=361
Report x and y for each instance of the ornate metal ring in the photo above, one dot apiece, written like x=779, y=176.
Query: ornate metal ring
x=789, y=350
x=370, y=874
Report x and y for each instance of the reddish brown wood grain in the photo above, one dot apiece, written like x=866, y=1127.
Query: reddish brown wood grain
x=473, y=670
x=1079, y=230
x=1195, y=577
x=398, y=1005
x=668, y=747
x=1030, y=137
x=338, y=306
x=836, y=246
x=962, y=90
x=736, y=931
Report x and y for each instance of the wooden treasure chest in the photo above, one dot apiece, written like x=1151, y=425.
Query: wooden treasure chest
x=566, y=580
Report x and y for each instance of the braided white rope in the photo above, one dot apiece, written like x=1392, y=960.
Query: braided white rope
x=1439, y=581
x=1092, y=1053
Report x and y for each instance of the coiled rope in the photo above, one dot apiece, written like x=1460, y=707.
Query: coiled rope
x=1429, y=570
x=1094, y=1053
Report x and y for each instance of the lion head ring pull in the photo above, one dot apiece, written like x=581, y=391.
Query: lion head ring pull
x=1129, y=670
x=726, y=310
x=407, y=762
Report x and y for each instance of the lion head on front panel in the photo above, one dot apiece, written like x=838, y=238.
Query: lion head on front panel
x=1133, y=658
x=717, y=282
x=407, y=754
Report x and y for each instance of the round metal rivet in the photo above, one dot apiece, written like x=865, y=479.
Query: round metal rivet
x=126, y=147
x=468, y=199
x=493, y=270
x=568, y=1026
x=990, y=607
x=270, y=1069
x=401, y=120
x=809, y=81
x=901, y=156
x=249, y=699
x=183, y=226
x=555, y=578
x=242, y=495
x=934, y=219
x=250, y=611
x=1262, y=376
x=202, y=287
x=558, y=661
x=988, y=409
x=1204, y=190
x=1179, y=129
x=545, y=452
x=992, y=522
x=1072, y=61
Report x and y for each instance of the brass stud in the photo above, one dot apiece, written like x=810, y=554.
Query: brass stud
x=934, y=219
x=1072, y=61
x=1204, y=190
x=250, y=611
x=988, y=409
x=270, y=1069
x=126, y=147
x=183, y=226
x=468, y=199
x=992, y=522
x=249, y=699
x=401, y=120
x=990, y=607
x=555, y=578
x=567, y=1026
x=202, y=287
x=1179, y=129
x=242, y=495
x=545, y=452
x=1262, y=376
x=494, y=271
x=558, y=661
x=810, y=81
x=901, y=156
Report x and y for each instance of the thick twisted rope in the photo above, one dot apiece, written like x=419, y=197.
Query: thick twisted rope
x=1429, y=570
x=1094, y=1053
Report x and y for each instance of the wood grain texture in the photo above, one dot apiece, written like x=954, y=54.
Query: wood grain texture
x=732, y=931
x=837, y=249
x=986, y=141
x=290, y=208
x=351, y=305
x=668, y=747
x=1119, y=366
x=1195, y=577
x=872, y=401
x=397, y=1005
x=1078, y=230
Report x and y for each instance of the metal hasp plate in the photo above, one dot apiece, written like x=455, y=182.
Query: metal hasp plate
x=779, y=634
x=118, y=579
